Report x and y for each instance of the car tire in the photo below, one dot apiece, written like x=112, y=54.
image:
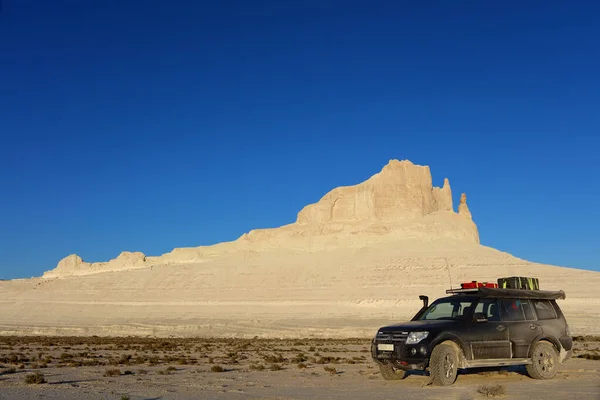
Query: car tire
x=544, y=361
x=443, y=364
x=390, y=373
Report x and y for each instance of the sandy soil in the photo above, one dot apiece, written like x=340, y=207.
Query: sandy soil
x=254, y=369
x=335, y=293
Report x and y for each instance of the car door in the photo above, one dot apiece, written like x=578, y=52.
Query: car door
x=489, y=339
x=523, y=326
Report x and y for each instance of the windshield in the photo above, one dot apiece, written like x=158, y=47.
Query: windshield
x=447, y=309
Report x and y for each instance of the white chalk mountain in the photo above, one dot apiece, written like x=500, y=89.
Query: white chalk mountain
x=398, y=203
x=357, y=258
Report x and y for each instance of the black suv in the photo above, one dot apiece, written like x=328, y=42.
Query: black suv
x=482, y=327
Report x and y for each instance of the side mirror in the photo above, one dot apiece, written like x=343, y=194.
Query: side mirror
x=480, y=317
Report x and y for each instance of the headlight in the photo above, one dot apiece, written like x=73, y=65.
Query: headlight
x=416, y=337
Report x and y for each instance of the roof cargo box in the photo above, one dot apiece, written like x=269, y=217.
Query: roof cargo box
x=519, y=282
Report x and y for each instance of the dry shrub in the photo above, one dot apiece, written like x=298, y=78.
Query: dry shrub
x=275, y=367
x=217, y=368
x=589, y=356
x=331, y=370
x=491, y=390
x=36, y=378
x=586, y=338
x=328, y=360
x=112, y=372
x=299, y=358
x=274, y=359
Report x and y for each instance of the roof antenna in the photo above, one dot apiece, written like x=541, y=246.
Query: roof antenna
x=449, y=275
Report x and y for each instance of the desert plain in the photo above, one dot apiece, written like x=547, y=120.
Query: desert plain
x=319, y=287
x=266, y=369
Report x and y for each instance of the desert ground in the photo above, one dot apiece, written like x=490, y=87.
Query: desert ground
x=336, y=293
x=138, y=368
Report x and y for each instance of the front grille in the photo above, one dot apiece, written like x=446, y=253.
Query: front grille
x=392, y=336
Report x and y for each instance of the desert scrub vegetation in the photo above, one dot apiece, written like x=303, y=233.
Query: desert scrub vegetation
x=35, y=378
x=589, y=356
x=587, y=338
x=127, y=352
x=167, y=371
x=217, y=368
x=257, y=367
x=492, y=390
x=331, y=370
x=276, y=367
x=112, y=372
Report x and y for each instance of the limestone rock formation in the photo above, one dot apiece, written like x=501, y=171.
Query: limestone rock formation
x=398, y=203
x=71, y=265
x=443, y=196
x=74, y=265
x=128, y=258
x=463, y=209
x=402, y=190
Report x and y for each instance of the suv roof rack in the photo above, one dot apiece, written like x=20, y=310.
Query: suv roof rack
x=454, y=291
x=511, y=293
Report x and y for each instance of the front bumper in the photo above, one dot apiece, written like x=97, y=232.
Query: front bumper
x=403, y=356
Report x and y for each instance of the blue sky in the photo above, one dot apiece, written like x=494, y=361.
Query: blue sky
x=145, y=126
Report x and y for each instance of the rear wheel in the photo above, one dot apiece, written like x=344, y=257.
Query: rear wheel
x=443, y=364
x=390, y=373
x=544, y=361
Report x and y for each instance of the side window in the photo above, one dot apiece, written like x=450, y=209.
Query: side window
x=490, y=308
x=448, y=310
x=527, y=310
x=439, y=311
x=544, y=309
x=512, y=310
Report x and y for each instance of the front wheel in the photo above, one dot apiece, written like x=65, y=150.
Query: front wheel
x=390, y=373
x=443, y=365
x=544, y=361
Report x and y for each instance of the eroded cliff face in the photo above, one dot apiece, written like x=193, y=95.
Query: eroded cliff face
x=398, y=203
x=401, y=191
x=463, y=208
x=74, y=265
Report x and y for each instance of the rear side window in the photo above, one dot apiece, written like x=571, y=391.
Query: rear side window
x=528, y=310
x=544, y=309
x=512, y=310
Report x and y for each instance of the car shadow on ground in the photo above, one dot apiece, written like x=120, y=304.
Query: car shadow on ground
x=509, y=370
x=415, y=373
x=513, y=369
